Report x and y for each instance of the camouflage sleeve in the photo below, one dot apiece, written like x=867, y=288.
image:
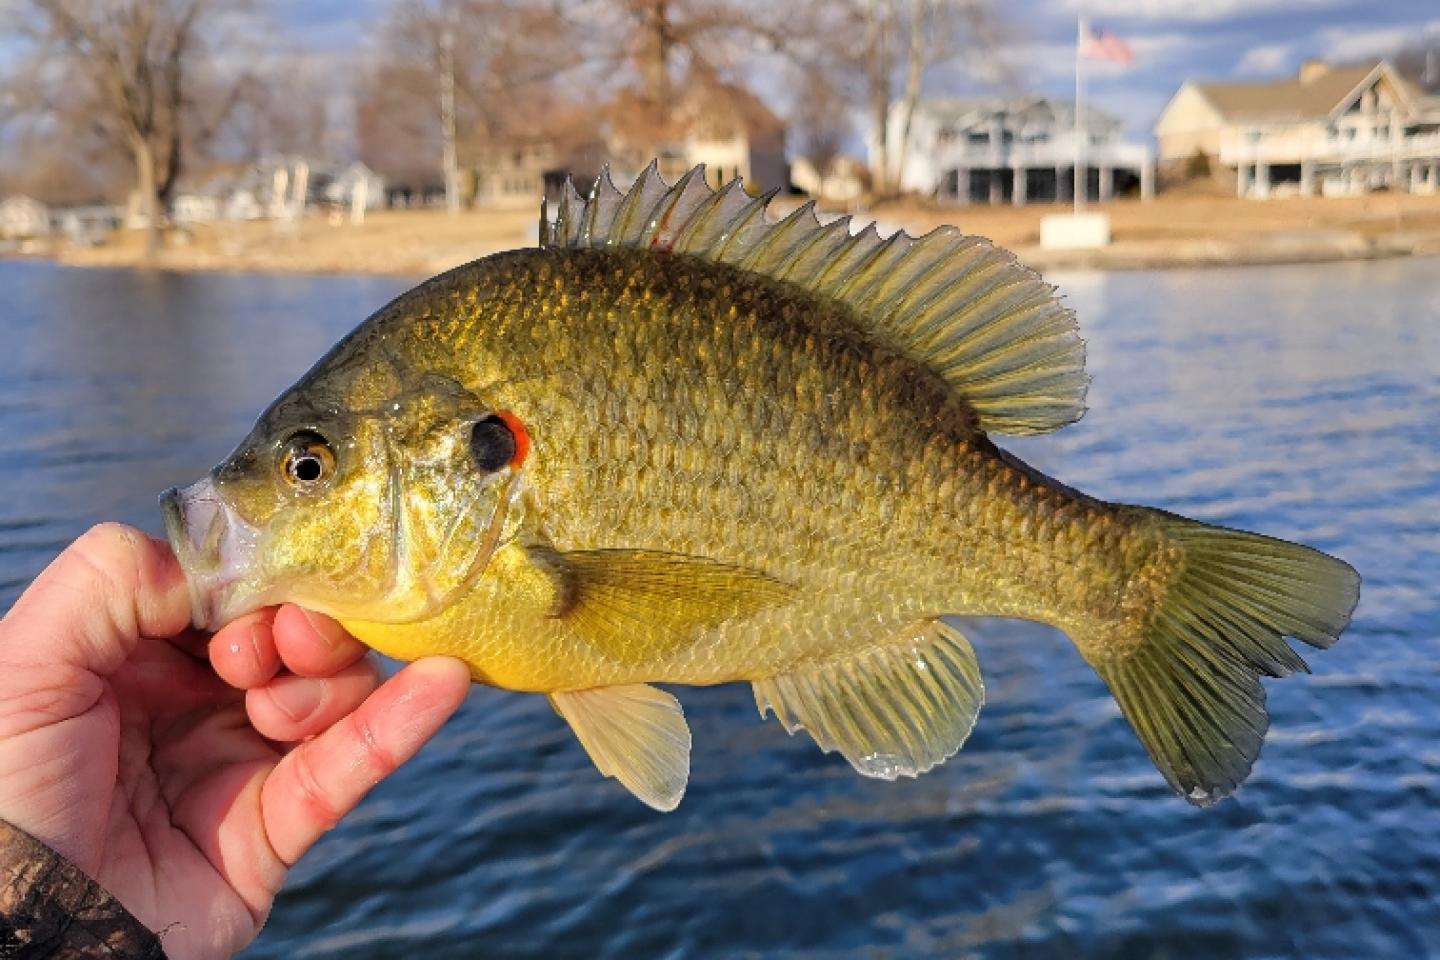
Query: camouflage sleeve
x=50, y=909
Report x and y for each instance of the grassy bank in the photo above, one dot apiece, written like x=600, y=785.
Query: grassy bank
x=1178, y=228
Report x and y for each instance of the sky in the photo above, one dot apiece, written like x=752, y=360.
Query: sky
x=1173, y=40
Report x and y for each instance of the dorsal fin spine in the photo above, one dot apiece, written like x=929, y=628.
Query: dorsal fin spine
x=792, y=269
x=592, y=210
x=658, y=220
x=741, y=224
x=847, y=249
x=689, y=235
x=861, y=274
x=787, y=233
x=629, y=206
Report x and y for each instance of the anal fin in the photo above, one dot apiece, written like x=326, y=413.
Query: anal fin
x=634, y=733
x=896, y=708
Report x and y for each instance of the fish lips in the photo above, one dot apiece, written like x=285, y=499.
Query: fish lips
x=216, y=549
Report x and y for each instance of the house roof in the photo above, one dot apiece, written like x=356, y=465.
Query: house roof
x=1294, y=98
x=964, y=111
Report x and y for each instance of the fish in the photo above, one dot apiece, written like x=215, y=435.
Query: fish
x=681, y=442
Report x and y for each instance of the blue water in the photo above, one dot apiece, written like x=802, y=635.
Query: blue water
x=1300, y=401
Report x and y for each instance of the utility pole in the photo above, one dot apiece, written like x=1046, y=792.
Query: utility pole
x=447, y=109
x=1082, y=179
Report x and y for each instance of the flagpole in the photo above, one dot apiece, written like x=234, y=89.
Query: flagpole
x=1081, y=180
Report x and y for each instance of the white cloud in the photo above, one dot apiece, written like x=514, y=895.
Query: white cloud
x=1341, y=43
x=1194, y=11
x=1266, y=59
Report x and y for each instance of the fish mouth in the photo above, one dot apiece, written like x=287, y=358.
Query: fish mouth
x=215, y=548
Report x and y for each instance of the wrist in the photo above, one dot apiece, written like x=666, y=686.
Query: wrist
x=50, y=908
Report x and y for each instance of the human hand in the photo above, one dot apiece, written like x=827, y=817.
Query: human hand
x=185, y=794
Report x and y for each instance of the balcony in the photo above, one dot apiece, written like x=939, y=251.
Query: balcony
x=1057, y=152
x=1243, y=150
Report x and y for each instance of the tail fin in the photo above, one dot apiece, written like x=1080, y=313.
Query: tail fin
x=1191, y=689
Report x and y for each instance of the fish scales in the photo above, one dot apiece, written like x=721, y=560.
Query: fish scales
x=899, y=486
x=678, y=444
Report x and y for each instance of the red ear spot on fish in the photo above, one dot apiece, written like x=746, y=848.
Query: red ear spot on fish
x=498, y=440
x=521, y=435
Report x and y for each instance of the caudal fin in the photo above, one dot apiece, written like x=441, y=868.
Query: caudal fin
x=1192, y=688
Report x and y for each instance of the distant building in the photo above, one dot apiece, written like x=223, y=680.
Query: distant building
x=512, y=176
x=357, y=181
x=1017, y=151
x=23, y=218
x=88, y=225
x=1334, y=130
x=203, y=203
x=842, y=182
x=275, y=187
x=723, y=126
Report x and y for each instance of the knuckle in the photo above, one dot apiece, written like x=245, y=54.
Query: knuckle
x=377, y=758
x=313, y=797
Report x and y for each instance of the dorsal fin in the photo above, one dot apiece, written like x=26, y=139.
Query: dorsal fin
x=957, y=303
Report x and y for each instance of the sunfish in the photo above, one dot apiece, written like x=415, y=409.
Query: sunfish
x=680, y=443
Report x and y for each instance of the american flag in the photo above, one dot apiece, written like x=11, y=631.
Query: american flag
x=1104, y=45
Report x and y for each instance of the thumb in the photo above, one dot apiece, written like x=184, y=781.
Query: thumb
x=89, y=607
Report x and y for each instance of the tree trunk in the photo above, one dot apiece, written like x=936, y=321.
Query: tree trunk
x=914, y=82
x=449, y=159
x=877, y=71
x=657, y=55
x=148, y=190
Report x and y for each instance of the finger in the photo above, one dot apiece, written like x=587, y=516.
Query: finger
x=323, y=779
x=313, y=645
x=89, y=607
x=292, y=708
x=243, y=651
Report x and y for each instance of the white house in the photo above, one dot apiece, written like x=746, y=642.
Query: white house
x=353, y=183
x=23, y=218
x=277, y=187
x=841, y=182
x=1014, y=151
x=1331, y=129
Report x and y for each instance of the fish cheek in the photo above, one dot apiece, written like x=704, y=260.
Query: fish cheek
x=450, y=511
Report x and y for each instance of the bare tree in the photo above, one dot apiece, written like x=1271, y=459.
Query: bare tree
x=133, y=63
x=1419, y=62
x=491, y=68
x=880, y=54
x=820, y=119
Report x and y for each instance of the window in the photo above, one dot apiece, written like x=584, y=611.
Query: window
x=978, y=136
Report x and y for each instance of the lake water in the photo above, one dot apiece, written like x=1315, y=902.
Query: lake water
x=1299, y=401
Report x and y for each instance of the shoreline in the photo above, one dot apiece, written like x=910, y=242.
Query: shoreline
x=1183, y=229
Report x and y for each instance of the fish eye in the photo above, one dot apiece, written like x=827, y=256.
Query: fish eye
x=307, y=460
x=492, y=443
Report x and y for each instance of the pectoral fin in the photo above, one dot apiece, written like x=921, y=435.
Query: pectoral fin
x=637, y=605
x=636, y=734
x=896, y=708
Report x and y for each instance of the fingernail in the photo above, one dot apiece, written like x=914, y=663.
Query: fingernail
x=327, y=629
x=297, y=697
